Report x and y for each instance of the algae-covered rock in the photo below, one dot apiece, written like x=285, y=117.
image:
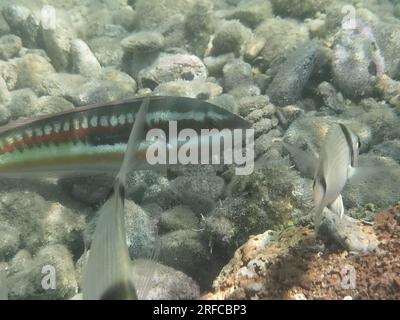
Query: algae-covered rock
x=250, y=13
x=22, y=103
x=184, y=250
x=51, y=275
x=107, y=50
x=178, y=218
x=162, y=282
x=33, y=69
x=57, y=42
x=281, y=36
x=171, y=67
x=10, y=240
x=199, y=25
x=230, y=36
x=152, y=13
x=83, y=60
x=298, y=9
x=9, y=46
x=40, y=222
x=379, y=187
x=23, y=22
x=198, y=192
x=143, y=42
x=236, y=73
x=194, y=89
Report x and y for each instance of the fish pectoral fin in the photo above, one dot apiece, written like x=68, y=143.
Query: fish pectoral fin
x=3, y=285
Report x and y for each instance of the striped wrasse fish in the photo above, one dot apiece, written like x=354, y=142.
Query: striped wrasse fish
x=92, y=139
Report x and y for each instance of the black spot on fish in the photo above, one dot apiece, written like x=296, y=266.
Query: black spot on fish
x=372, y=68
x=120, y=291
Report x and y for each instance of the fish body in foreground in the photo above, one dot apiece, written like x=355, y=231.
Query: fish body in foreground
x=337, y=162
x=93, y=138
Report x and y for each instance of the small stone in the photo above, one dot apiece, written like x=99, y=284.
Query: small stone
x=231, y=36
x=140, y=232
x=4, y=93
x=178, y=218
x=288, y=84
x=227, y=102
x=52, y=104
x=307, y=8
x=32, y=71
x=24, y=23
x=102, y=91
x=9, y=46
x=183, y=250
x=22, y=103
x=5, y=114
x=143, y=42
x=253, y=48
x=10, y=241
x=91, y=191
x=40, y=222
x=107, y=50
x=250, y=13
x=171, y=67
x=160, y=194
x=281, y=37
x=198, y=192
x=245, y=90
x=9, y=72
x=4, y=27
x=83, y=60
x=19, y=262
x=153, y=13
x=57, y=41
x=237, y=73
x=126, y=17
x=156, y=281
x=194, y=89
x=215, y=64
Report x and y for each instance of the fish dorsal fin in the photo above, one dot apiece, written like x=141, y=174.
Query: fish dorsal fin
x=107, y=274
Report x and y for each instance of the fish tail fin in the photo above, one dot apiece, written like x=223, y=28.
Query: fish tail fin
x=108, y=274
x=3, y=285
x=144, y=283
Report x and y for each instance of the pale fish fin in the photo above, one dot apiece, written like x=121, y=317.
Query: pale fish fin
x=107, y=273
x=306, y=161
x=3, y=285
x=337, y=206
x=136, y=136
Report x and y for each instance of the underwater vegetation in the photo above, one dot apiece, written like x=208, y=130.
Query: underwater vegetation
x=317, y=80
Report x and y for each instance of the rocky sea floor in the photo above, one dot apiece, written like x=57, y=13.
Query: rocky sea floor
x=291, y=68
